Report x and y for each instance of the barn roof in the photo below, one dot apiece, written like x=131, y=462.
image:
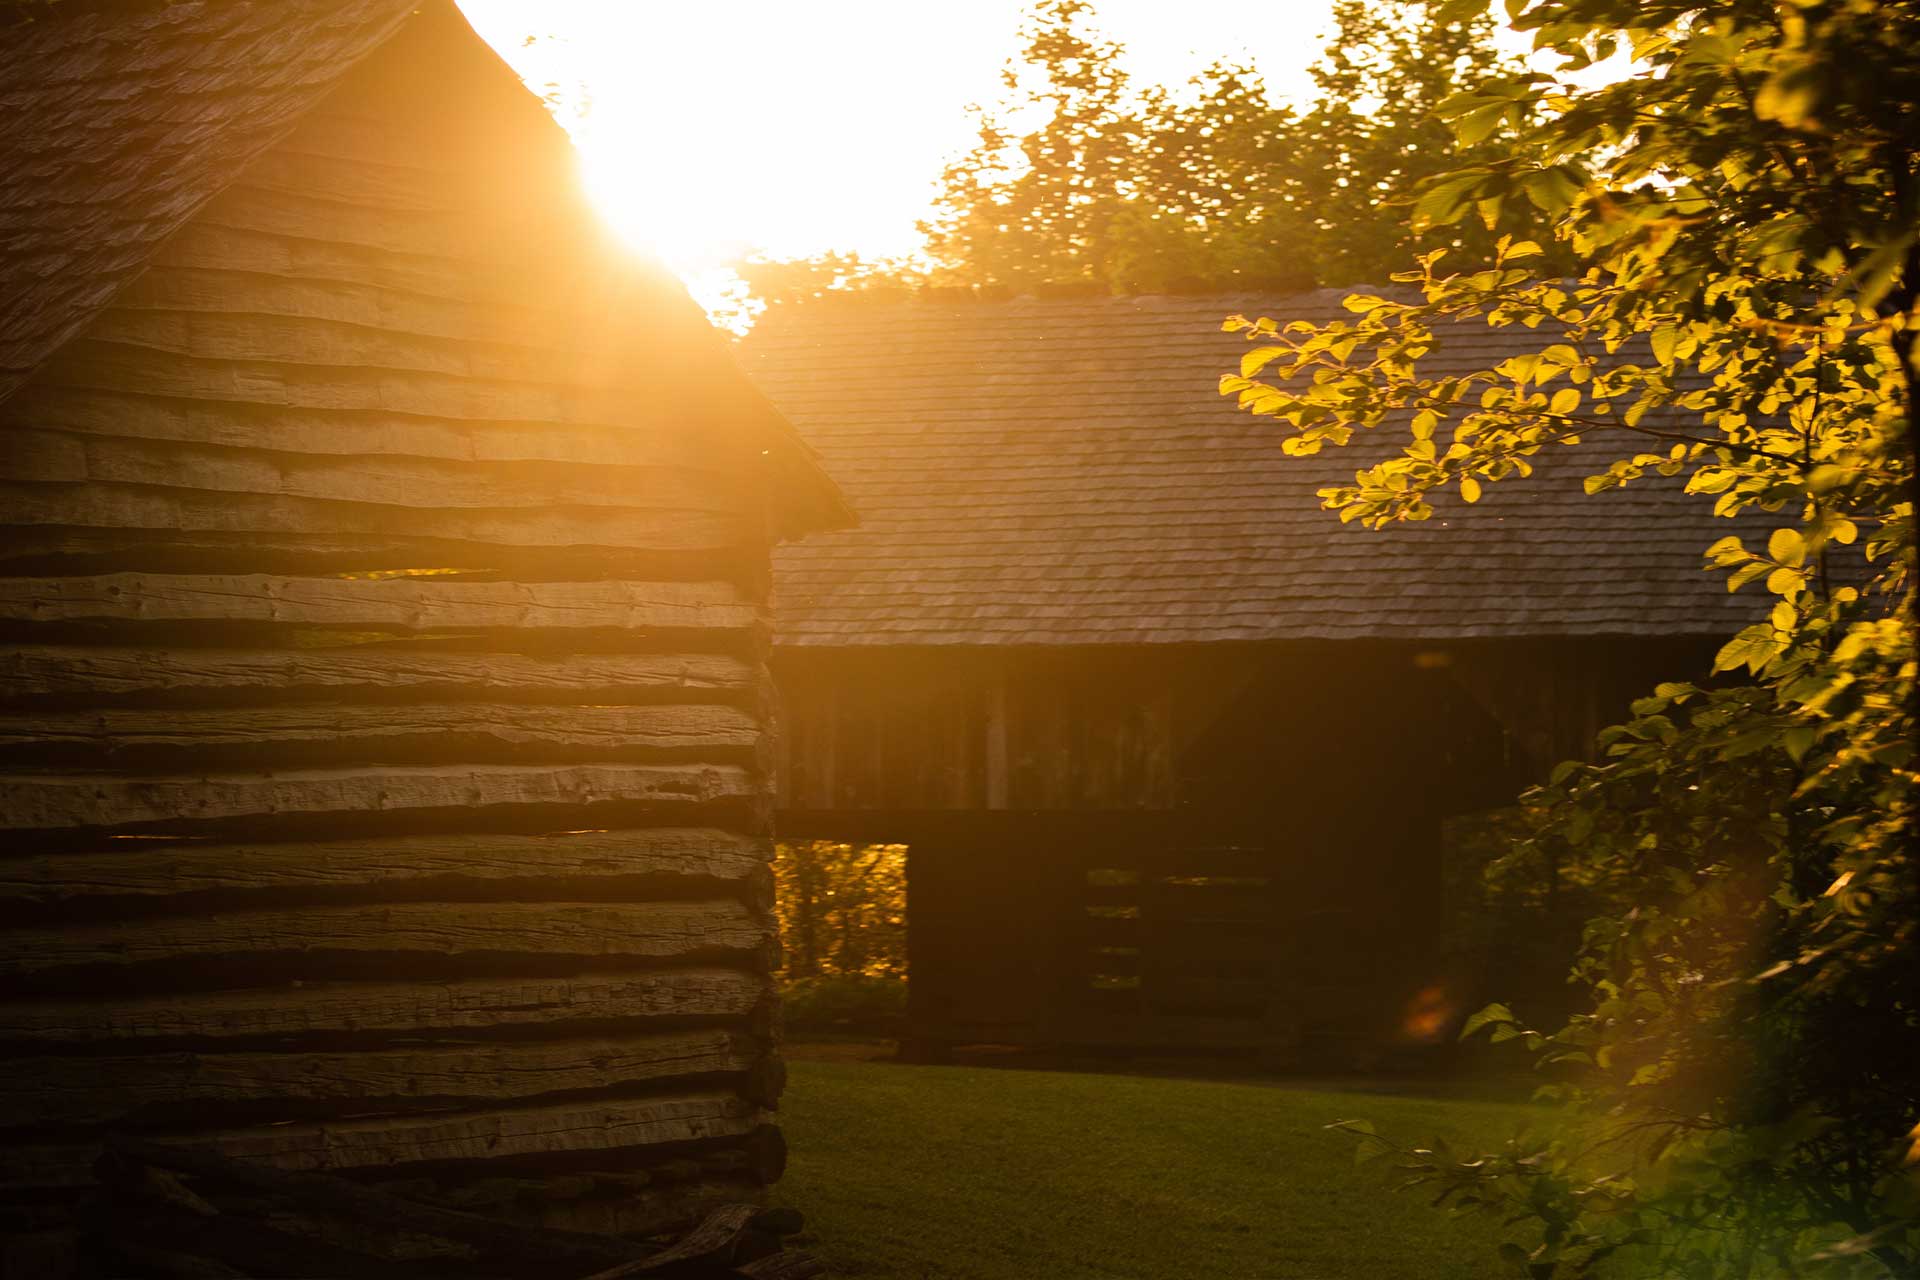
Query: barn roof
x=1055, y=472
x=119, y=121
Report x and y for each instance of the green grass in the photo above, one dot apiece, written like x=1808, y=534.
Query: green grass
x=975, y=1173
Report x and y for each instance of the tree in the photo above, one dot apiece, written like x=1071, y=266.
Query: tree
x=1079, y=180
x=1745, y=315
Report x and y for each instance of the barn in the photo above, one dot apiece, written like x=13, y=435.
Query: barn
x=1171, y=748
x=383, y=685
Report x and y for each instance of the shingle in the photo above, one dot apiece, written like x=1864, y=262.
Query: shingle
x=115, y=129
x=1066, y=472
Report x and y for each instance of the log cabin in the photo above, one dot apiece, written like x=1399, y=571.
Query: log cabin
x=383, y=686
x=1170, y=747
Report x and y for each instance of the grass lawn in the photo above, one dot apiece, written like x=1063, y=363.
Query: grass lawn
x=991, y=1174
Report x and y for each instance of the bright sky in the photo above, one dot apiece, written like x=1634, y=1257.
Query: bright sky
x=797, y=127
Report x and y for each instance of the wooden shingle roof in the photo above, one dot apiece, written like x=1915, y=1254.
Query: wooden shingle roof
x=1055, y=472
x=118, y=123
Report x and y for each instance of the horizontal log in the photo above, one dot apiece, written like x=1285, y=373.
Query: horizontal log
x=58, y=457
x=372, y=1010
x=209, y=245
x=246, y=333
x=53, y=551
x=95, y=365
x=235, y=290
x=349, y=732
x=121, y=672
x=459, y=930
x=570, y=1129
x=402, y=188
x=107, y=506
x=156, y=870
x=97, y=1090
x=621, y=1130
x=671, y=442
x=294, y=213
x=45, y=802
x=416, y=604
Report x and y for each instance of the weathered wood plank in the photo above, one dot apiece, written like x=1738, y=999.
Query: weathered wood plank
x=618, y=931
x=246, y=332
x=230, y=290
x=363, y=1010
x=357, y=732
x=415, y=604
x=108, y=1089
x=120, y=672
x=103, y=506
x=220, y=248
x=292, y=213
x=398, y=187
x=685, y=442
x=531, y=1131
x=611, y=1127
x=41, y=802
x=146, y=869
x=57, y=457
x=113, y=366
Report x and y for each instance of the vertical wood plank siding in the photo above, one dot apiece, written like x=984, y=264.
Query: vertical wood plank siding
x=383, y=700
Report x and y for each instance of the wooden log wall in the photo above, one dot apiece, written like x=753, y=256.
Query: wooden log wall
x=383, y=699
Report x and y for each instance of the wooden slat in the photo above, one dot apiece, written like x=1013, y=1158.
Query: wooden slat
x=113, y=366
x=156, y=870
x=641, y=440
x=221, y=248
x=45, y=802
x=291, y=213
x=247, y=332
x=570, y=1128
x=375, y=1010
x=398, y=187
x=357, y=732
x=59, y=457
x=622, y=931
x=416, y=604
x=161, y=511
x=531, y=321
x=119, y=672
x=607, y=1127
x=106, y=1089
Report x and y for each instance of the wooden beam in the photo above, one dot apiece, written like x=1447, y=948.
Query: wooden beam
x=96, y=1090
x=56, y=457
x=349, y=732
x=163, y=512
x=377, y=1011
x=611, y=1128
x=45, y=802
x=123, y=415
x=154, y=870
x=651, y=931
x=128, y=672
x=415, y=604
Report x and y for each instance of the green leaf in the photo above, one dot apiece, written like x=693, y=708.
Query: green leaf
x=1492, y=1015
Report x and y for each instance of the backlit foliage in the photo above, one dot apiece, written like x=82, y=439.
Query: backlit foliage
x=842, y=908
x=1744, y=209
